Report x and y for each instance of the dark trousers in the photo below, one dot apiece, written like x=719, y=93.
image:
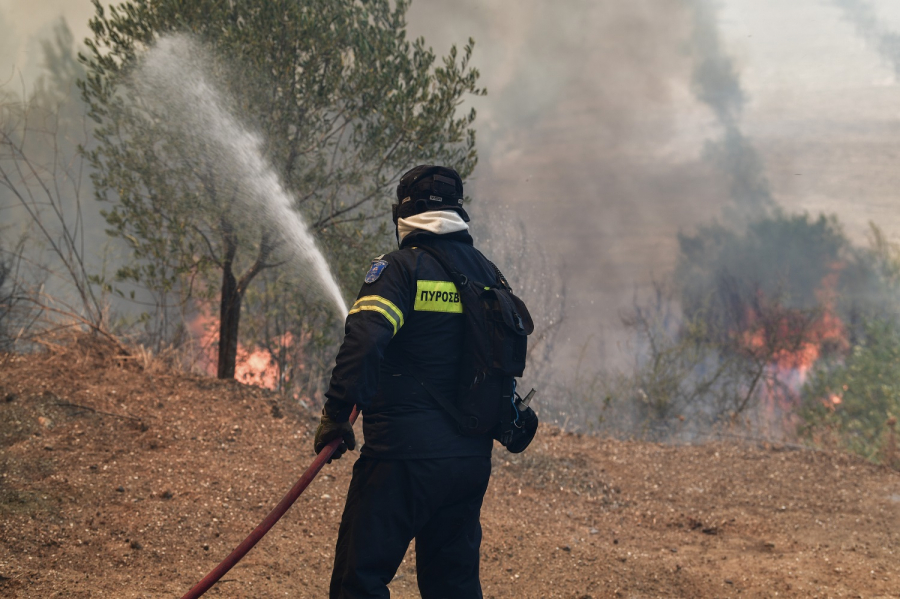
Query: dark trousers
x=390, y=502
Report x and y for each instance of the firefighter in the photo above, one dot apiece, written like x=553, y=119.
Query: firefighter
x=416, y=477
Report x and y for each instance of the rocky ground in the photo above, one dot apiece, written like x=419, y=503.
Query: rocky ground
x=120, y=480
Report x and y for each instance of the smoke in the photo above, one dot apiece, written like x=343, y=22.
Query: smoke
x=23, y=27
x=716, y=83
x=8, y=48
x=46, y=196
x=862, y=15
x=173, y=74
x=589, y=136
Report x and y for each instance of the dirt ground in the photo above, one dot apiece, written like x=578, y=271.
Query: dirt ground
x=116, y=481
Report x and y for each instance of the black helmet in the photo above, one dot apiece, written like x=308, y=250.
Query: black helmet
x=429, y=187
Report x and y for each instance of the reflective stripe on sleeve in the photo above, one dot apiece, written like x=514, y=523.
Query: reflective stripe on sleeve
x=385, y=307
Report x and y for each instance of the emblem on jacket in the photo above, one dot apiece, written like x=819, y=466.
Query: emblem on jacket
x=375, y=270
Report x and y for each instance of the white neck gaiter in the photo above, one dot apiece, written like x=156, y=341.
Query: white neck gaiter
x=439, y=222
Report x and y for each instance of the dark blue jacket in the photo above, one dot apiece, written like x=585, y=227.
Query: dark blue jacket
x=408, y=319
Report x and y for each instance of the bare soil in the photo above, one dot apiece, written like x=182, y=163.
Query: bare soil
x=119, y=481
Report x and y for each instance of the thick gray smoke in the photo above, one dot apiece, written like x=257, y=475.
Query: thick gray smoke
x=582, y=136
x=717, y=84
x=864, y=19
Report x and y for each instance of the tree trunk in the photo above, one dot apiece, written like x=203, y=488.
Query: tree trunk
x=232, y=294
x=229, y=319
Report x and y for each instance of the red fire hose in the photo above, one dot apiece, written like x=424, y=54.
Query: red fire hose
x=260, y=531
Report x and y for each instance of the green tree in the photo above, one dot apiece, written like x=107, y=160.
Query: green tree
x=344, y=102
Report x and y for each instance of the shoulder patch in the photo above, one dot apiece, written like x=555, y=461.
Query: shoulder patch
x=375, y=270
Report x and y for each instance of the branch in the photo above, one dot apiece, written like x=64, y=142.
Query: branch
x=266, y=247
x=212, y=252
x=68, y=251
x=760, y=370
x=74, y=316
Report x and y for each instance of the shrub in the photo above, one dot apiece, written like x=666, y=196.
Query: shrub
x=853, y=403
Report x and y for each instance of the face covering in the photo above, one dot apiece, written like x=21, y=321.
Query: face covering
x=439, y=222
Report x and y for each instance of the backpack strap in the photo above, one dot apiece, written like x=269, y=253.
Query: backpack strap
x=504, y=431
x=449, y=406
x=500, y=278
x=458, y=278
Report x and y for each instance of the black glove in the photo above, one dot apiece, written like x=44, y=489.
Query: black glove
x=524, y=431
x=329, y=430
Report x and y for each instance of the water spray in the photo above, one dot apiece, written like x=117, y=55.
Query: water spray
x=172, y=75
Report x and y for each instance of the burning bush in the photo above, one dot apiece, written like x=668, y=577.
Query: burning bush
x=784, y=264
x=789, y=291
x=690, y=383
x=733, y=340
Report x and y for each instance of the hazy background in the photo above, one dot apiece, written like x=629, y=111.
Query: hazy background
x=610, y=126
x=599, y=131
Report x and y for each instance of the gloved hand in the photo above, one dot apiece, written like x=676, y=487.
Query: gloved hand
x=524, y=433
x=329, y=430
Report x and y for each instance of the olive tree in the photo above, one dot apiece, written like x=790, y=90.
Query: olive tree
x=342, y=99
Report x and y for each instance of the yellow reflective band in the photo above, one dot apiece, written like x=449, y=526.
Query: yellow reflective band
x=377, y=300
x=437, y=296
x=376, y=303
x=376, y=309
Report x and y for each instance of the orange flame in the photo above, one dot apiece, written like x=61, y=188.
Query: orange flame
x=253, y=366
x=788, y=338
x=803, y=348
x=792, y=341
